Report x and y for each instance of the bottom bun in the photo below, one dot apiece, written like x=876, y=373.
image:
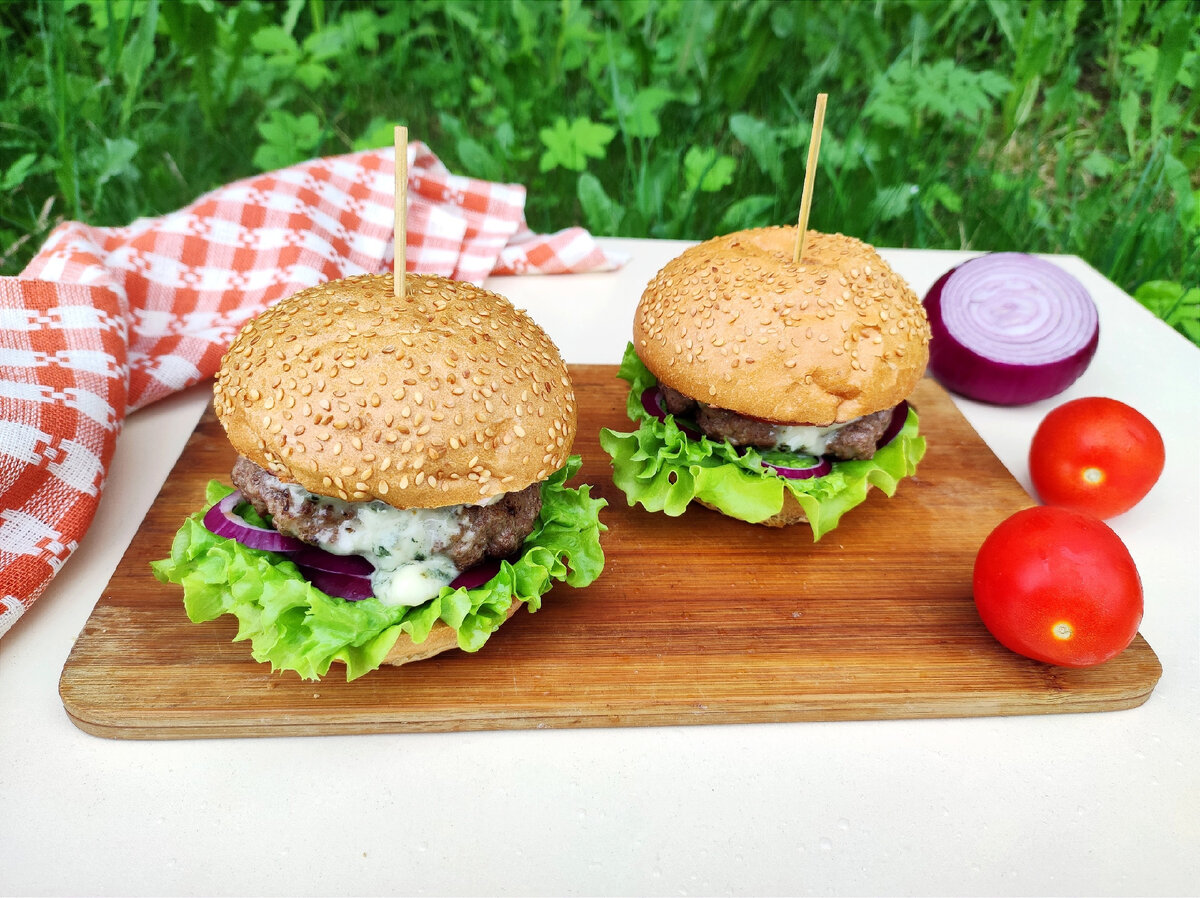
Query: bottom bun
x=441, y=638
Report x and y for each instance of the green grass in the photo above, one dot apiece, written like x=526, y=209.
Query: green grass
x=1067, y=126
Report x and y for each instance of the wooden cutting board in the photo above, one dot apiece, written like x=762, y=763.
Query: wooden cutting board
x=696, y=619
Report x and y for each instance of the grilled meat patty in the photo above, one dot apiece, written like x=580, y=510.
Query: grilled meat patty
x=855, y=439
x=859, y=438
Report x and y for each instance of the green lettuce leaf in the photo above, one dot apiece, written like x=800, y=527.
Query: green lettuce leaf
x=294, y=626
x=661, y=468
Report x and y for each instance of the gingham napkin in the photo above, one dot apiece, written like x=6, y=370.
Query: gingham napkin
x=107, y=320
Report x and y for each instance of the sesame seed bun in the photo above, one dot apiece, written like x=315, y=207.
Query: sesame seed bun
x=446, y=397
x=735, y=323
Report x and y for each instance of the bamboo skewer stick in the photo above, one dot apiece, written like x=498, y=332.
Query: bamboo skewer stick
x=399, y=262
x=810, y=171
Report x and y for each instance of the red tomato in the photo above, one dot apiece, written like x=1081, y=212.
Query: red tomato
x=1095, y=455
x=1058, y=586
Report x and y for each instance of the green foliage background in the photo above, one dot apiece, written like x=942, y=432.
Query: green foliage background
x=1065, y=126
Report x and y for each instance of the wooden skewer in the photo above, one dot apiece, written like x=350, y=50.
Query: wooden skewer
x=814, y=147
x=399, y=263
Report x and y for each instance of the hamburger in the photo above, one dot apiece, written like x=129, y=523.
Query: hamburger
x=400, y=482
x=771, y=391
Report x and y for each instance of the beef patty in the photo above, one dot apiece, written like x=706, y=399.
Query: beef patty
x=496, y=530
x=855, y=439
x=486, y=531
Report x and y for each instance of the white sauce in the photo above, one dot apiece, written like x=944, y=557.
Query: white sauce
x=413, y=583
x=398, y=542
x=804, y=439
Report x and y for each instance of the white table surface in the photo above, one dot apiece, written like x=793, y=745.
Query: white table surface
x=1100, y=803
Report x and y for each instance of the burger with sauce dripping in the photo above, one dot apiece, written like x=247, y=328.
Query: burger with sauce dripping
x=772, y=391
x=400, y=483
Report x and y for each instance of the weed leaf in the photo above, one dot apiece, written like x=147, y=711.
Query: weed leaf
x=570, y=145
x=706, y=170
x=763, y=142
x=18, y=171
x=640, y=115
x=749, y=212
x=289, y=139
x=600, y=213
x=114, y=159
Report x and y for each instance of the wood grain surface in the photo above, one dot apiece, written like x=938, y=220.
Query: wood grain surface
x=696, y=619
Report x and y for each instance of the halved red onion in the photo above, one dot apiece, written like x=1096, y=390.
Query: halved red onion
x=652, y=402
x=819, y=468
x=221, y=520
x=1010, y=329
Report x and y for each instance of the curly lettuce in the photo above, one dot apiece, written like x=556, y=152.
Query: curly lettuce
x=662, y=468
x=295, y=626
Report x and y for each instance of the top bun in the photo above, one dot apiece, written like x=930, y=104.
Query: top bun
x=446, y=397
x=735, y=323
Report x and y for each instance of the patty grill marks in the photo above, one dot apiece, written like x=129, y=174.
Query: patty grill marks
x=489, y=531
x=856, y=439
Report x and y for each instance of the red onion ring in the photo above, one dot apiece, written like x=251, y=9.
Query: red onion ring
x=476, y=576
x=652, y=402
x=341, y=586
x=347, y=584
x=1010, y=329
x=319, y=559
x=820, y=467
x=222, y=521
x=895, y=425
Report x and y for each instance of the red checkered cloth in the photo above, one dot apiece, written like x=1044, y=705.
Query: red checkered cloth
x=107, y=320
